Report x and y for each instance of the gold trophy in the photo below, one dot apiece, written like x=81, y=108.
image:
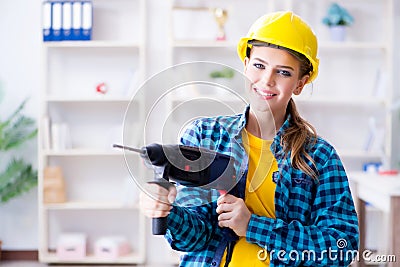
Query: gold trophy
x=220, y=15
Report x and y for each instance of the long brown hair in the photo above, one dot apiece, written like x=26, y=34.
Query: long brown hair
x=300, y=133
x=296, y=138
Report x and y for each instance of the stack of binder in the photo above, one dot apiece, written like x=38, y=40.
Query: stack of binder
x=67, y=20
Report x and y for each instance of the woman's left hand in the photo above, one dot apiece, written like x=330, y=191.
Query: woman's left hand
x=233, y=213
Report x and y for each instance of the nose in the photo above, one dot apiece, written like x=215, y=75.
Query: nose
x=268, y=77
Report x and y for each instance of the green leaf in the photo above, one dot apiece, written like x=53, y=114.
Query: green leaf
x=19, y=131
x=225, y=73
x=337, y=15
x=18, y=178
x=16, y=130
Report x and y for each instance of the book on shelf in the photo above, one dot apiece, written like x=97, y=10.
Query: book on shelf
x=379, y=84
x=46, y=144
x=375, y=138
x=60, y=136
x=55, y=136
x=67, y=20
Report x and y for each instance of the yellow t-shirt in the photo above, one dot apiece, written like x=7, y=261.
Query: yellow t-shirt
x=259, y=198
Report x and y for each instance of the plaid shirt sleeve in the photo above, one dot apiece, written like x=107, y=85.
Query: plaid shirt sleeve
x=329, y=237
x=191, y=223
x=190, y=229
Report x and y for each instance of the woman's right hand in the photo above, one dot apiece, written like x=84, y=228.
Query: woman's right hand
x=155, y=201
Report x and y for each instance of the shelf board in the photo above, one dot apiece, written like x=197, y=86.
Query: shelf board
x=352, y=45
x=83, y=152
x=362, y=154
x=222, y=98
x=370, y=101
x=300, y=100
x=203, y=44
x=93, y=44
x=191, y=8
x=84, y=100
x=323, y=45
x=51, y=257
x=90, y=206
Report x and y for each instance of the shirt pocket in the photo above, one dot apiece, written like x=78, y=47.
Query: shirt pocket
x=301, y=198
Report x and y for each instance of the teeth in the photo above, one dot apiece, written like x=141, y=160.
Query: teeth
x=263, y=94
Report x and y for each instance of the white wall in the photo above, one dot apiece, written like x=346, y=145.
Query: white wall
x=396, y=82
x=20, y=78
x=20, y=72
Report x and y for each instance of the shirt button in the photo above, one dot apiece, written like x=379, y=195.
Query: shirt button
x=214, y=263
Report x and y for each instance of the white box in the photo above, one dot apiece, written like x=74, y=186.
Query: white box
x=71, y=246
x=112, y=247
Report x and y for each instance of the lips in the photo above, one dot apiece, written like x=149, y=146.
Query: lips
x=264, y=94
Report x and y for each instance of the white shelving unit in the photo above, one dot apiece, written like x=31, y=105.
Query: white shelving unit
x=354, y=86
x=99, y=189
x=355, y=82
x=192, y=41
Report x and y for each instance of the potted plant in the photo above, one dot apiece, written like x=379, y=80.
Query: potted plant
x=17, y=176
x=222, y=78
x=337, y=19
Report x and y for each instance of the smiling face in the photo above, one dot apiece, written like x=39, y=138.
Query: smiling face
x=275, y=76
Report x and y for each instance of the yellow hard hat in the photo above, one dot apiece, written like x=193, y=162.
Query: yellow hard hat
x=287, y=30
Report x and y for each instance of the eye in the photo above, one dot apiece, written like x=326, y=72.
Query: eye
x=259, y=66
x=284, y=73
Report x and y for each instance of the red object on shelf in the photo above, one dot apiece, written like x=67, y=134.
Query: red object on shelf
x=388, y=172
x=101, y=88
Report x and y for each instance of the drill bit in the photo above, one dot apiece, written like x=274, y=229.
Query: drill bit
x=137, y=150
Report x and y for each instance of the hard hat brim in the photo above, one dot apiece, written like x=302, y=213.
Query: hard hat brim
x=242, y=53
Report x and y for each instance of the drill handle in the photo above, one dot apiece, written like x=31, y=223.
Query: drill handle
x=159, y=225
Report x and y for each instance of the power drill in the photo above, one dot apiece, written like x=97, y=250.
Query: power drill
x=188, y=166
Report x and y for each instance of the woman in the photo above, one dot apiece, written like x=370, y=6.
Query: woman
x=292, y=204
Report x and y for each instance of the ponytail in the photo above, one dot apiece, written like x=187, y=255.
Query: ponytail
x=296, y=138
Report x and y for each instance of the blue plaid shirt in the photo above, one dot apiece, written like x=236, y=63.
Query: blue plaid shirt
x=316, y=222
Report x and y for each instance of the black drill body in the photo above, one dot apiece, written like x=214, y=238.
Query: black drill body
x=192, y=166
x=188, y=166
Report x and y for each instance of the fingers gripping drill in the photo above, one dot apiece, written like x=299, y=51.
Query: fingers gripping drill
x=188, y=166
